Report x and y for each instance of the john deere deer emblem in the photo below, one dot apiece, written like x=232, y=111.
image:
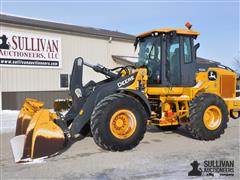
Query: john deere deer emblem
x=212, y=75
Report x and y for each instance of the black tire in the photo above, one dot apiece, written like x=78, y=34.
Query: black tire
x=101, y=117
x=198, y=106
x=168, y=128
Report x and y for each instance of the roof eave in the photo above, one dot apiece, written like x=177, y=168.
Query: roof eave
x=85, y=31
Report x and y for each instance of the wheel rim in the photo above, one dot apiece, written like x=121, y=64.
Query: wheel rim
x=212, y=117
x=123, y=124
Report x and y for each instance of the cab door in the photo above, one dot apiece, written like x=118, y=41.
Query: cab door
x=188, y=62
x=173, y=61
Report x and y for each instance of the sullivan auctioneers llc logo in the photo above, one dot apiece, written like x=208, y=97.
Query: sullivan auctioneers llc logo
x=212, y=168
x=29, y=50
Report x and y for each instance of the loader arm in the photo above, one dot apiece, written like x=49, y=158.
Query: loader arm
x=80, y=93
x=85, y=98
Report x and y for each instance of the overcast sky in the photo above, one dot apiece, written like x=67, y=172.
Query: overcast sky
x=217, y=21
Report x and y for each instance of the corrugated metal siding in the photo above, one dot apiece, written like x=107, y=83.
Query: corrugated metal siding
x=14, y=100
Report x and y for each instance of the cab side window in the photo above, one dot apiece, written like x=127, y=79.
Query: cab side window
x=150, y=55
x=187, y=50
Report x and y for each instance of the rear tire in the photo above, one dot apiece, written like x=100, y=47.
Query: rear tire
x=105, y=127
x=208, y=117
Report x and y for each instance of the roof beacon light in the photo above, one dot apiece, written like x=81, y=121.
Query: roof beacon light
x=188, y=25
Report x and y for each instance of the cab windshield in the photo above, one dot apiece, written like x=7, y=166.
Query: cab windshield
x=150, y=56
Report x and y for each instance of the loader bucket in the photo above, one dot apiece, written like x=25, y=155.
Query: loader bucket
x=42, y=138
x=30, y=107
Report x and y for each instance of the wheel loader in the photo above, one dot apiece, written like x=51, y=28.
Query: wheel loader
x=168, y=87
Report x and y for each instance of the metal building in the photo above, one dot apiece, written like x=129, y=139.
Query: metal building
x=36, y=57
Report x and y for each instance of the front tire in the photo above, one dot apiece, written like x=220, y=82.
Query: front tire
x=208, y=117
x=118, y=122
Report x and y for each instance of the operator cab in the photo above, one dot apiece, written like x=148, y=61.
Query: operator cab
x=169, y=55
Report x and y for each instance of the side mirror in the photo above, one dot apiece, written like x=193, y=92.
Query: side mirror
x=195, y=48
x=136, y=43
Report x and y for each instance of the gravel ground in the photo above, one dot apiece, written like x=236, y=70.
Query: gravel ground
x=160, y=155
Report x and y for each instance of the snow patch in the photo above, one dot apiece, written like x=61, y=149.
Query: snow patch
x=34, y=161
x=8, y=119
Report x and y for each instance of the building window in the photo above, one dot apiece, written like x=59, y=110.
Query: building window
x=64, y=80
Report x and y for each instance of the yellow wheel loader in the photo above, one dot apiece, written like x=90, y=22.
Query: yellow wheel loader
x=168, y=87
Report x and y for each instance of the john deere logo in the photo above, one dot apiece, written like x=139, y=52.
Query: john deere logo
x=212, y=75
x=126, y=81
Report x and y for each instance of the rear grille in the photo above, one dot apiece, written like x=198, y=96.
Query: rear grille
x=227, y=86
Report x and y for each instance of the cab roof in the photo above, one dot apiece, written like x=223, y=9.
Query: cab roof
x=167, y=30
